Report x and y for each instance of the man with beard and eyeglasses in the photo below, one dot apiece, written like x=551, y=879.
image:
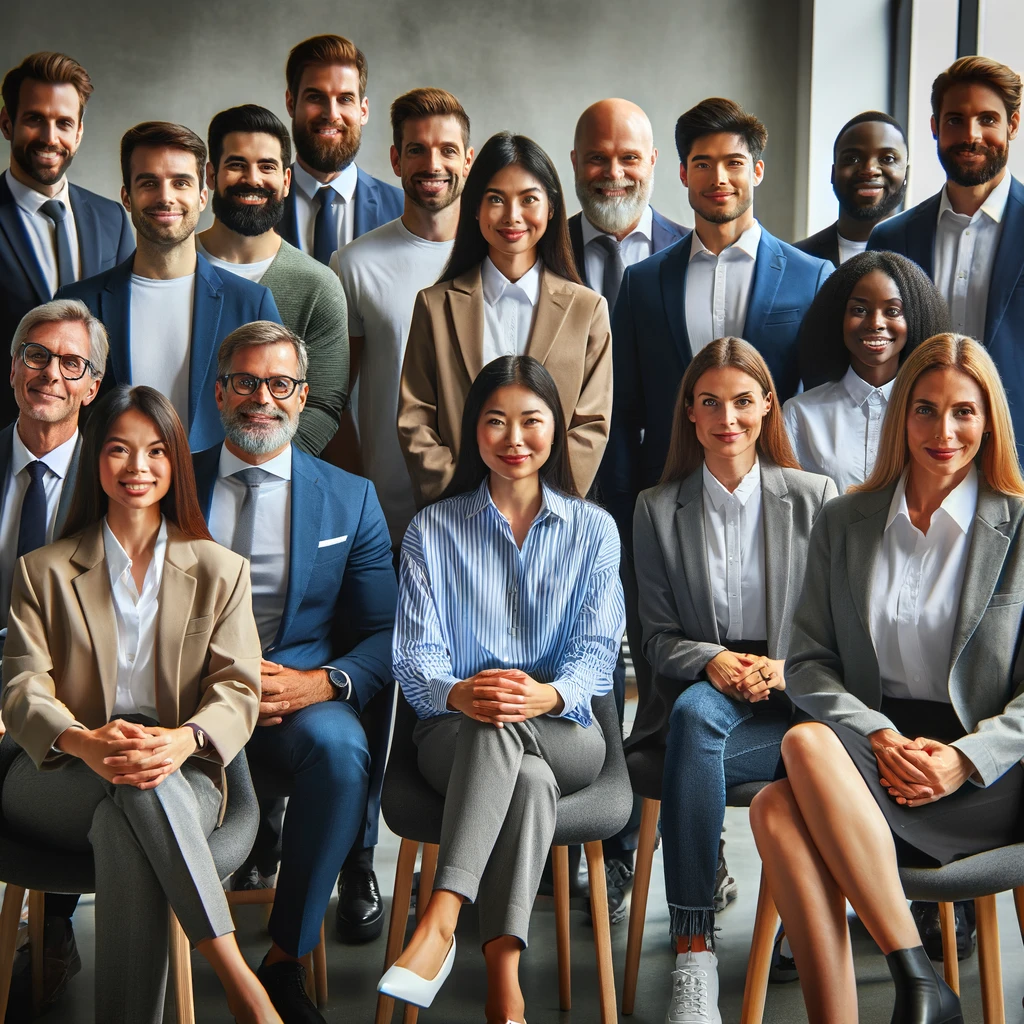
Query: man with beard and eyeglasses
x=869, y=178
x=166, y=308
x=332, y=201
x=249, y=178
x=324, y=595
x=52, y=233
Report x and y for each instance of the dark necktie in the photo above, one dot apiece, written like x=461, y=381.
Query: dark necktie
x=245, y=527
x=614, y=268
x=32, y=528
x=326, y=225
x=54, y=209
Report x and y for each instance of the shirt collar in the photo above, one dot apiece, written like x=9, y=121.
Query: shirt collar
x=719, y=494
x=552, y=503
x=993, y=207
x=860, y=390
x=644, y=228
x=279, y=466
x=747, y=244
x=119, y=564
x=344, y=184
x=496, y=284
x=32, y=201
x=959, y=505
x=56, y=461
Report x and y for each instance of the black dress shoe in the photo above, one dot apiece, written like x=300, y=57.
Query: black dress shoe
x=926, y=916
x=783, y=968
x=360, y=916
x=922, y=997
x=61, y=962
x=285, y=983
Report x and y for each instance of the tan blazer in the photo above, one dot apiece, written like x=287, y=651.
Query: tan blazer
x=60, y=657
x=571, y=336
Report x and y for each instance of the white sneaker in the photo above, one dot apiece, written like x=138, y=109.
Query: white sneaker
x=694, y=990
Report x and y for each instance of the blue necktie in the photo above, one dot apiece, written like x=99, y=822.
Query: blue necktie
x=32, y=529
x=326, y=225
x=54, y=209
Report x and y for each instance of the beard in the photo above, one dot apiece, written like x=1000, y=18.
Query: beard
x=442, y=200
x=250, y=221
x=968, y=177
x=889, y=202
x=717, y=216
x=328, y=156
x=614, y=214
x=258, y=440
x=44, y=175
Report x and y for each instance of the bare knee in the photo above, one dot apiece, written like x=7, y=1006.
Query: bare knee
x=772, y=810
x=808, y=746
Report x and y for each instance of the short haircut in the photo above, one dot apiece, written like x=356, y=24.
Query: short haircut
x=260, y=332
x=251, y=119
x=65, y=311
x=326, y=49
x=52, y=69
x=864, y=118
x=983, y=71
x=716, y=116
x=160, y=134
x=420, y=103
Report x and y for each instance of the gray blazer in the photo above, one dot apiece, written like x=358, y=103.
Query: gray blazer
x=832, y=672
x=676, y=603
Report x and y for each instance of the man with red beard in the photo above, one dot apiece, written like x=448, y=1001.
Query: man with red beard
x=332, y=201
x=52, y=233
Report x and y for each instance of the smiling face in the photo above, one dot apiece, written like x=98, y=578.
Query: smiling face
x=44, y=395
x=874, y=329
x=869, y=176
x=720, y=177
x=250, y=186
x=328, y=115
x=135, y=470
x=728, y=411
x=166, y=196
x=973, y=134
x=515, y=211
x=433, y=163
x=515, y=433
x=46, y=130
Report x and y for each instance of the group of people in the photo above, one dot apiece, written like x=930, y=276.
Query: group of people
x=354, y=434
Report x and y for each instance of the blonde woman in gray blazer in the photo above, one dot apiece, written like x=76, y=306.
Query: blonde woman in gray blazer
x=905, y=651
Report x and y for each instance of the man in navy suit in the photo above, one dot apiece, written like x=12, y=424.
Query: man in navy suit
x=332, y=201
x=166, y=308
x=324, y=596
x=52, y=233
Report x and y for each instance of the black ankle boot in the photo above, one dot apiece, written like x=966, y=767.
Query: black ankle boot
x=922, y=997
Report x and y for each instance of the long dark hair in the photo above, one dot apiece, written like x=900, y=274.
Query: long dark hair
x=498, y=152
x=823, y=353
x=470, y=470
x=181, y=503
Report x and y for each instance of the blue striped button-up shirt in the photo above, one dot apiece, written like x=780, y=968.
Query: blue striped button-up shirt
x=470, y=599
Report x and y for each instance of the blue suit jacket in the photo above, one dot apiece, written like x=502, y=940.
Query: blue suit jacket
x=376, y=202
x=222, y=302
x=651, y=350
x=340, y=602
x=104, y=239
x=912, y=234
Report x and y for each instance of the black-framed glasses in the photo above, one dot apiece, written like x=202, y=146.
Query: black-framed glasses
x=39, y=357
x=280, y=387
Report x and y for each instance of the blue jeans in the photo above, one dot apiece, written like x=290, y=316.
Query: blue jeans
x=714, y=742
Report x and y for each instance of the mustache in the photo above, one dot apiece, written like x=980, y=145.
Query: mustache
x=247, y=408
x=249, y=190
x=42, y=147
x=626, y=183
x=972, y=147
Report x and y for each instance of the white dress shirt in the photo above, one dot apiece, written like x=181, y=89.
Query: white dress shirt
x=508, y=310
x=42, y=232
x=135, y=615
x=965, y=253
x=848, y=249
x=835, y=428
x=734, y=532
x=718, y=290
x=271, y=542
x=15, y=486
x=915, y=592
x=636, y=246
x=305, y=187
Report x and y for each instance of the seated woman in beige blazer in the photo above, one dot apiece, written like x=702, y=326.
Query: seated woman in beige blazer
x=510, y=289
x=131, y=676
x=905, y=652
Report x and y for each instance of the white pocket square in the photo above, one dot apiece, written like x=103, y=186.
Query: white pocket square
x=331, y=541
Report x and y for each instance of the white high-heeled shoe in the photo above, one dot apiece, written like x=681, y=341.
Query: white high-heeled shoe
x=409, y=987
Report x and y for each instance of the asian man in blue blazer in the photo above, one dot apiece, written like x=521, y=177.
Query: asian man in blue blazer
x=324, y=597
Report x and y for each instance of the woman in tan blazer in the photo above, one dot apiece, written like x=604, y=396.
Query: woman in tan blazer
x=131, y=676
x=510, y=288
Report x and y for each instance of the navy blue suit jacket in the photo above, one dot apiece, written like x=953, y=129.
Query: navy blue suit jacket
x=104, y=239
x=912, y=234
x=341, y=597
x=651, y=350
x=222, y=302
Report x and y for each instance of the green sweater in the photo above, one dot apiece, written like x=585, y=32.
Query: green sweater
x=311, y=302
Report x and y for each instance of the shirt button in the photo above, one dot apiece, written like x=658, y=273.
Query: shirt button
x=131, y=659
x=917, y=679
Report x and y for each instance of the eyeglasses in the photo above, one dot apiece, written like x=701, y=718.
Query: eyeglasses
x=39, y=357
x=246, y=384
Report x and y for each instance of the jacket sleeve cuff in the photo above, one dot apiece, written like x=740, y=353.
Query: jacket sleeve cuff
x=974, y=749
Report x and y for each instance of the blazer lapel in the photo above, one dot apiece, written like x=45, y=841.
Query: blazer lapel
x=1009, y=262
x=287, y=227
x=673, y=293
x=778, y=537
x=6, y=448
x=87, y=223
x=96, y=603
x=693, y=551
x=115, y=303
x=921, y=227
x=206, y=310
x=366, y=203
x=17, y=238
x=576, y=240
x=553, y=305
x=663, y=232
x=768, y=270
x=67, y=489
x=466, y=306
x=177, y=594
x=863, y=544
x=206, y=465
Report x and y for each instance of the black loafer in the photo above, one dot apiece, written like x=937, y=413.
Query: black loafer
x=926, y=916
x=285, y=983
x=360, y=916
x=61, y=963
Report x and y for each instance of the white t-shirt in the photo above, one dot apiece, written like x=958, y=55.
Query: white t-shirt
x=382, y=272
x=161, y=337
x=848, y=249
x=250, y=271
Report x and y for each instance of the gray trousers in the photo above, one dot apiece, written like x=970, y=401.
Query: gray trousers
x=150, y=849
x=501, y=790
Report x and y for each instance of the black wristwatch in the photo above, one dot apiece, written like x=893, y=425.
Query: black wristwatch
x=200, y=736
x=341, y=683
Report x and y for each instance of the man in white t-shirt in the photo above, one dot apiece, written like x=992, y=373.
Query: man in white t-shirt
x=382, y=273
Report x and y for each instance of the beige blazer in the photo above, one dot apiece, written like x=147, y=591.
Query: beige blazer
x=60, y=657
x=571, y=336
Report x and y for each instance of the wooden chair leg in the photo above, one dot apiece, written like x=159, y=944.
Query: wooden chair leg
x=989, y=964
x=411, y=1014
x=181, y=969
x=399, y=917
x=560, y=881
x=755, y=990
x=320, y=969
x=602, y=931
x=36, y=943
x=638, y=900
x=950, y=967
x=428, y=866
x=10, y=919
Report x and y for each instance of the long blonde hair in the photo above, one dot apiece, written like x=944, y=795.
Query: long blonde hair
x=685, y=453
x=997, y=458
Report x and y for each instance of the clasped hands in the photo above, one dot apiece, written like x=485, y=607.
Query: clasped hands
x=500, y=695
x=285, y=690
x=919, y=771
x=746, y=677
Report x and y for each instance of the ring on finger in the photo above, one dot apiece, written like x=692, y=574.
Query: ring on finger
x=763, y=676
